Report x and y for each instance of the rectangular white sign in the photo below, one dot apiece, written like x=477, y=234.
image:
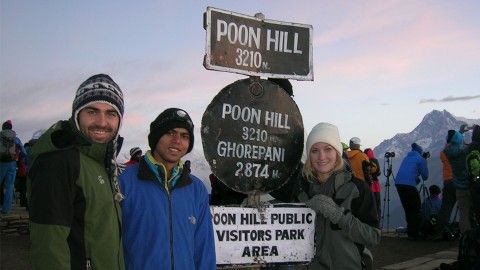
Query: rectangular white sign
x=245, y=236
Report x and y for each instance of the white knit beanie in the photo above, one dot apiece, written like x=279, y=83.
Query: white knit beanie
x=326, y=133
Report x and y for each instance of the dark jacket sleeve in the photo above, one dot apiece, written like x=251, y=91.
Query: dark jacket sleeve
x=361, y=225
x=52, y=193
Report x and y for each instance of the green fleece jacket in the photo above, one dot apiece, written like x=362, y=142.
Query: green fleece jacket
x=75, y=222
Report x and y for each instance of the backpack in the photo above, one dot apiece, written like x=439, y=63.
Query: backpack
x=428, y=228
x=7, y=145
x=469, y=250
x=473, y=165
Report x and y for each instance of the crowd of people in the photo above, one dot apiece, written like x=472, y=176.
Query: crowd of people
x=87, y=211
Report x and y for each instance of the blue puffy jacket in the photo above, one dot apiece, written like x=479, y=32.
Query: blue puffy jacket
x=166, y=230
x=413, y=166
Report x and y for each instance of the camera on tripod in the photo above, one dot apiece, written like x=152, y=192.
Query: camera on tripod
x=426, y=155
x=389, y=154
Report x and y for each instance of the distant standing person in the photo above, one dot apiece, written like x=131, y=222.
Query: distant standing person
x=375, y=187
x=11, y=149
x=361, y=165
x=413, y=166
x=456, y=153
x=74, y=197
x=448, y=193
x=347, y=222
x=135, y=155
x=167, y=222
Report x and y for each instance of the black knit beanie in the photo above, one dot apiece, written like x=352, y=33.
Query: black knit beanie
x=98, y=88
x=169, y=119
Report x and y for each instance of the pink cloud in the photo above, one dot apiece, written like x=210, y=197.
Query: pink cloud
x=421, y=36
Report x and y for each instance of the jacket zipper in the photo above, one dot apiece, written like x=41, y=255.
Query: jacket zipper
x=172, y=257
x=88, y=265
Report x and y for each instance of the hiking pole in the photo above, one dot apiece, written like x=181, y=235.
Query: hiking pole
x=387, y=171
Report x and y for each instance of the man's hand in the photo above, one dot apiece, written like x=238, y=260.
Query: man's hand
x=327, y=207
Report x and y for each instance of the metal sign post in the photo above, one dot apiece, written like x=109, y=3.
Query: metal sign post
x=252, y=137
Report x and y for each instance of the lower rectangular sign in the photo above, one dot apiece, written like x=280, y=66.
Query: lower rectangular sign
x=276, y=235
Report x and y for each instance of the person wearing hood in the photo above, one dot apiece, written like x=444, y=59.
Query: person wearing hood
x=347, y=223
x=167, y=222
x=375, y=187
x=412, y=167
x=74, y=210
x=456, y=153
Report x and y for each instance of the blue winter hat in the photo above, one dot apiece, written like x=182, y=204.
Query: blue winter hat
x=418, y=148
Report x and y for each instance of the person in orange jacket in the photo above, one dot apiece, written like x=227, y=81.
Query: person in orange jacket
x=359, y=161
x=449, y=198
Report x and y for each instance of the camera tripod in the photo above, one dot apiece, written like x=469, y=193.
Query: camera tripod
x=387, y=171
x=425, y=195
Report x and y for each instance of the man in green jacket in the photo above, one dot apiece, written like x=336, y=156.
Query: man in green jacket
x=75, y=218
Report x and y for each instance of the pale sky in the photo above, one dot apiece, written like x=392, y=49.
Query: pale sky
x=379, y=66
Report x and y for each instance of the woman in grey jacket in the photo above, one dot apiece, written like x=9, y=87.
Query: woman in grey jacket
x=347, y=221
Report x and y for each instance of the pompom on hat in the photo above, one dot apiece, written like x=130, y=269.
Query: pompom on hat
x=326, y=133
x=169, y=119
x=98, y=88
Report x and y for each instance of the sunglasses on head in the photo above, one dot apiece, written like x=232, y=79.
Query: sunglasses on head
x=178, y=115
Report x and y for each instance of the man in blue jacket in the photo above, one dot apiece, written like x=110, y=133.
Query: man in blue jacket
x=413, y=166
x=166, y=215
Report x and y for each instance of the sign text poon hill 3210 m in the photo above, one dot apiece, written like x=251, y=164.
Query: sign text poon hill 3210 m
x=257, y=47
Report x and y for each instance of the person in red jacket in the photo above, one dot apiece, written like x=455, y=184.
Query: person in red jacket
x=135, y=155
x=375, y=187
